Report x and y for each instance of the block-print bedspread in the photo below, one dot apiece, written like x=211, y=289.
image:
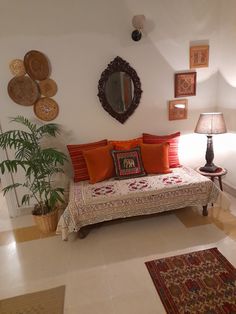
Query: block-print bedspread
x=112, y=199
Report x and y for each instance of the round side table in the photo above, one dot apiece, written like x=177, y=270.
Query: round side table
x=212, y=175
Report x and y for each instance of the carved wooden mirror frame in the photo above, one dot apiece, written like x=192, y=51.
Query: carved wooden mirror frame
x=118, y=65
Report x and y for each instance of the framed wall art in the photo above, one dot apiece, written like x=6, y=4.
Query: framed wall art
x=185, y=84
x=199, y=56
x=178, y=109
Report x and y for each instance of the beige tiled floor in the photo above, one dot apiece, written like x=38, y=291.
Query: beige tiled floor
x=105, y=272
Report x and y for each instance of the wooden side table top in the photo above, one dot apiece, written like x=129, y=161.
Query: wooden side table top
x=220, y=172
x=212, y=175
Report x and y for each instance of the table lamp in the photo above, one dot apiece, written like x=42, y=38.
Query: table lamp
x=209, y=124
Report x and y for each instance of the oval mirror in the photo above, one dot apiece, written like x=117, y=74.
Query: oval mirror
x=119, y=89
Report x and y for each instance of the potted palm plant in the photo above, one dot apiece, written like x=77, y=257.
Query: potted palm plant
x=40, y=165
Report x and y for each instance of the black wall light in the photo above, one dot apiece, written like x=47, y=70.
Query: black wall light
x=138, y=23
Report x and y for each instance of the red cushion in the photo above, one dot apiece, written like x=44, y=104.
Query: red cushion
x=172, y=139
x=78, y=161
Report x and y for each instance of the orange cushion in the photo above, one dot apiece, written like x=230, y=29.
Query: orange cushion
x=127, y=144
x=172, y=139
x=155, y=158
x=99, y=163
x=77, y=158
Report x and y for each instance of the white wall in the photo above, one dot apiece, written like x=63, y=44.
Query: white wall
x=227, y=86
x=81, y=37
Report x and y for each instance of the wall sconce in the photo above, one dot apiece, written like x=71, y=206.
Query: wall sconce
x=138, y=23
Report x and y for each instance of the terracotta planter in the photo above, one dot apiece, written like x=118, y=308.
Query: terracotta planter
x=47, y=223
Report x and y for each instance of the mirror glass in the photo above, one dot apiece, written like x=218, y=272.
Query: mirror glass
x=119, y=91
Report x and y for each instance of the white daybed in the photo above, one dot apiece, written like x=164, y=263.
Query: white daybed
x=112, y=199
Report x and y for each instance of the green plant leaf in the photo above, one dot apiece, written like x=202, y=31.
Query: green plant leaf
x=26, y=199
x=39, y=164
x=10, y=187
x=54, y=156
x=50, y=129
x=14, y=138
x=12, y=165
x=22, y=120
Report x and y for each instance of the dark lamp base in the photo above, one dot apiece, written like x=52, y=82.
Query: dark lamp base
x=209, y=168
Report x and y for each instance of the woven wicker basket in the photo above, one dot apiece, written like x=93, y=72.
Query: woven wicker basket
x=47, y=223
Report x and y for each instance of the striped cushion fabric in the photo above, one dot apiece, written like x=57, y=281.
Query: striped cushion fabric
x=172, y=139
x=78, y=161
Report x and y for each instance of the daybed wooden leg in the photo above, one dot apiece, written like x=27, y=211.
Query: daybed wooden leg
x=204, y=211
x=83, y=232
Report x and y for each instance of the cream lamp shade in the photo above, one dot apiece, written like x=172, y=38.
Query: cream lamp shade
x=209, y=124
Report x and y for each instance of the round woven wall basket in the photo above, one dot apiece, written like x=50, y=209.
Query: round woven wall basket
x=23, y=90
x=37, y=65
x=46, y=109
x=48, y=87
x=17, y=67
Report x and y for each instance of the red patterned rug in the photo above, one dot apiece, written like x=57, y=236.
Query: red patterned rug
x=198, y=282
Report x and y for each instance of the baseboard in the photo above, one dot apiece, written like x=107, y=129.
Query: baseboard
x=229, y=188
x=25, y=211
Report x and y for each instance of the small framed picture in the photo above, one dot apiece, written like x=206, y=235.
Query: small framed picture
x=199, y=56
x=185, y=84
x=178, y=109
